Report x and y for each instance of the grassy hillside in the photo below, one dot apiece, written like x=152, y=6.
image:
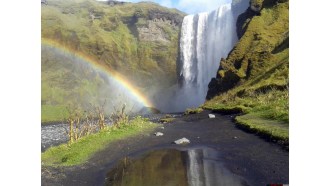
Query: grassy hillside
x=139, y=40
x=254, y=79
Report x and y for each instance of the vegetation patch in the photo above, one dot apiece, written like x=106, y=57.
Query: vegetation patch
x=50, y=113
x=270, y=128
x=193, y=111
x=81, y=150
x=167, y=120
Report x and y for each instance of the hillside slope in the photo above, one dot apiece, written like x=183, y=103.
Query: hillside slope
x=139, y=40
x=254, y=78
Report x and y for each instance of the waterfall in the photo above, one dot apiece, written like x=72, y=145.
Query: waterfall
x=205, y=39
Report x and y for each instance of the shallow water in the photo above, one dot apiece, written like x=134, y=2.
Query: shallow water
x=52, y=135
x=193, y=167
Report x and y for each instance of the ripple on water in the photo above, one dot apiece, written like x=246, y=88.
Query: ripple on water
x=52, y=135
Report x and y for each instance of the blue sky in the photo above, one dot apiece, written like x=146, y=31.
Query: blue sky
x=189, y=6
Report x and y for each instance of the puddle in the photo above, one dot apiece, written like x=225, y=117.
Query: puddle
x=193, y=167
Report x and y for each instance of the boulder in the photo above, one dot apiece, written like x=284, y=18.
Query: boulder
x=182, y=141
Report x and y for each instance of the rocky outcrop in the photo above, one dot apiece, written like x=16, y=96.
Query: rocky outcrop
x=154, y=32
x=114, y=2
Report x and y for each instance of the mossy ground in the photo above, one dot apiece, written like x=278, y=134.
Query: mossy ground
x=275, y=129
x=167, y=120
x=193, y=110
x=79, y=152
x=260, y=61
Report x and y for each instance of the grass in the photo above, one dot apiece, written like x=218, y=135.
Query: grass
x=274, y=129
x=264, y=113
x=193, y=111
x=167, y=120
x=79, y=152
x=50, y=113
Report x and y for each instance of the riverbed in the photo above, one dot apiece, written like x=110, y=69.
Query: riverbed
x=216, y=146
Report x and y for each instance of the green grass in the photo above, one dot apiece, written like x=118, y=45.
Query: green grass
x=79, y=152
x=274, y=129
x=167, y=120
x=50, y=113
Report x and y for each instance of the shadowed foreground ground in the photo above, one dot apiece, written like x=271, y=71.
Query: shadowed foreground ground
x=257, y=161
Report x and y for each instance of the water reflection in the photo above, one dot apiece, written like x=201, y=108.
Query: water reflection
x=170, y=167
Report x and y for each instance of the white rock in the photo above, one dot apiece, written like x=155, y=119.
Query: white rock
x=162, y=127
x=159, y=134
x=211, y=116
x=181, y=141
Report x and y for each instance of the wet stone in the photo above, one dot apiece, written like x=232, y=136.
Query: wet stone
x=182, y=141
x=159, y=134
x=211, y=116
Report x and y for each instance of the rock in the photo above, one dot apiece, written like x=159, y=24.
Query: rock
x=162, y=127
x=211, y=116
x=234, y=137
x=159, y=134
x=255, y=8
x=181, y=141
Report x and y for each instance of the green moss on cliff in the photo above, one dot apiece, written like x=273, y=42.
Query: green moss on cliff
x=254, y=79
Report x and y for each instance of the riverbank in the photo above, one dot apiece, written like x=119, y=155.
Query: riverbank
x=79, y=152
x=247, y=155
x=265, y=113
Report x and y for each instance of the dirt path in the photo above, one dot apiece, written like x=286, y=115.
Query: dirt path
x=259, y=162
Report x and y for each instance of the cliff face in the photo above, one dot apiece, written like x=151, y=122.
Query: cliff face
x=254, y=78
x=263, y=45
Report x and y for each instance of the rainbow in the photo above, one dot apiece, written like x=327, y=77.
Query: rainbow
x=120, y=79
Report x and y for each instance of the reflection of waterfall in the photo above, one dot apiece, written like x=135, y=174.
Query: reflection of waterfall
x=204, y=168
x=194, y=173
x=194, y=167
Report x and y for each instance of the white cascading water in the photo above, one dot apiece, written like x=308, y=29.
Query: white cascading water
x=205, y=39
